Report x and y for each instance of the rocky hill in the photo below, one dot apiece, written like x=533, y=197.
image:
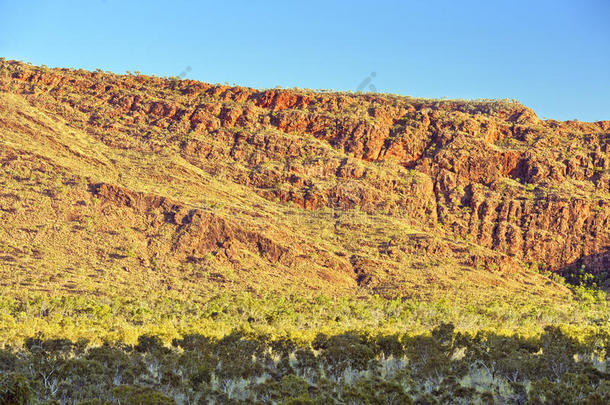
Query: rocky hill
x=113, y=178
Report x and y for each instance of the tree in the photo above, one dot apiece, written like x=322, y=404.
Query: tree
x=558, y=352
x=375, y=391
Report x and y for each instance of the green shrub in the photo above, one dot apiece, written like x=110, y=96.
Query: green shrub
x=14, y=390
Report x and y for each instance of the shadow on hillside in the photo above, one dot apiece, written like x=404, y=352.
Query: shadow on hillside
x=597, y=264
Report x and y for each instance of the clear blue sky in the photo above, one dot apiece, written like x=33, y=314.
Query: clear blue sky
x=553, y=56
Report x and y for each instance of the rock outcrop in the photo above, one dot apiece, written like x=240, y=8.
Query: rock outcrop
x=490, y=173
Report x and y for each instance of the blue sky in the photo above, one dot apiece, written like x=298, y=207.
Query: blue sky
x=553, y=56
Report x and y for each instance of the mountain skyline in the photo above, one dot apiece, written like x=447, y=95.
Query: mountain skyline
x=553, y=56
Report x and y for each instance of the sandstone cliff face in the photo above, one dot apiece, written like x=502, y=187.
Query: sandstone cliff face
x=490, y=173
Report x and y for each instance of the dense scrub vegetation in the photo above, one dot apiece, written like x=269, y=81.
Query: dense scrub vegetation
x=298, y=349
x=241, y=348
x=349, y=368
x=117, y=318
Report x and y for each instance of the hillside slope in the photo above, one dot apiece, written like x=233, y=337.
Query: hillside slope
x=110, y=180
